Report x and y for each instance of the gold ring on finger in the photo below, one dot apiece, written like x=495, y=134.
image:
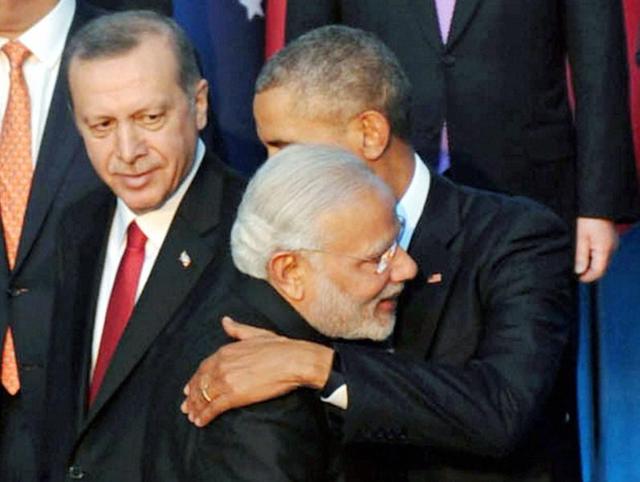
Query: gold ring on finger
x=205, y=394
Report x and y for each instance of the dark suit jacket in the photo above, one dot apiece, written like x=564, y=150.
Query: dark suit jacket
x=477, y=348
x=104, y=442
x=63, y=175
x=164, y=7
x=282, y=440
x=500, y=84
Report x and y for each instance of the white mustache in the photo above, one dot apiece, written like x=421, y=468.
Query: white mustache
x=391, y=291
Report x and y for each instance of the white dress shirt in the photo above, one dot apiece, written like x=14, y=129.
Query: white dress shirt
x=46, y=40
x=410, y=207
x=411, y=204
x=155, y=225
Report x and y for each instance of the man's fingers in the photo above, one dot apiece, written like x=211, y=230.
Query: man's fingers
x=582, y=256
x=597, y=266
x=218, y=405
x=596, y=241
x=240, y=331
x=194, y=403
x=193, y=389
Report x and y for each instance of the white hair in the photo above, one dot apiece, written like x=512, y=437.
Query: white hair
x=287, y=195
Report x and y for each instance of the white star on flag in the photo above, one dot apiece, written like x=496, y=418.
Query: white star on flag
x=253, y=7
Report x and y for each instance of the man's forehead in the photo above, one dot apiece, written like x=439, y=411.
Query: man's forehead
x=152, y=51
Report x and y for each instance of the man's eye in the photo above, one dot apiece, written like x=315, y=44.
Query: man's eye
x=152, y=119
x=102, y=126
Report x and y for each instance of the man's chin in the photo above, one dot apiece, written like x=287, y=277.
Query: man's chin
x=376, y=329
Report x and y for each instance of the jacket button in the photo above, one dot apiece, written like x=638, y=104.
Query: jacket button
x=448, y=60
x=75, y=472
x=15, y=292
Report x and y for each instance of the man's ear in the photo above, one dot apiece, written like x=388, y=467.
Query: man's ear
x=202, y=103
x=286, y=274
x=369, y=133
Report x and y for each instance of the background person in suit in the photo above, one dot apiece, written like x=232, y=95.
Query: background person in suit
x=164, y=7
x=495, y=72
x=482, y=328
x=315, y=269
x=56, y=172
x=128, y=259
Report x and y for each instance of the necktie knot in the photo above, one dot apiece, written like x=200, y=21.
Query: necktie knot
x=16, y=53
x=136, y=239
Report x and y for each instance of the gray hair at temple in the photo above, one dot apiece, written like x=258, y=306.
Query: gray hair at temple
x=119, y=33
x=286, y=197
x=348, y=70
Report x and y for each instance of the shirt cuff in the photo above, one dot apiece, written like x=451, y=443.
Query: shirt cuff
x=335, y=391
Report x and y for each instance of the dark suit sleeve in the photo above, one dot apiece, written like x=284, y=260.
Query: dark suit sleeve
x=282, y=440
x=275, y=441
x=486, y=404
x=596, y=45
x=285, y=439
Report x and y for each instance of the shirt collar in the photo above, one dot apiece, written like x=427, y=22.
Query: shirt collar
x=46, y=38
x=412, y=202
x=155, y=224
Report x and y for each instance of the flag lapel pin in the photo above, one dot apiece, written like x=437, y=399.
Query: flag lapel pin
x=185, y=259
x=434, y=278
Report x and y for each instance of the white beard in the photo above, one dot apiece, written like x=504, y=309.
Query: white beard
x=337, y=315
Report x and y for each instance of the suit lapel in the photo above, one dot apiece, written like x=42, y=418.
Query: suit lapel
x=425, y=296
x=60, y=145
x=92, y=248
x=425, y=13
x=193, y=232
x=427, y=16
x=462, y=15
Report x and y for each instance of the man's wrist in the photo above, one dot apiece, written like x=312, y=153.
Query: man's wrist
x=316, y=367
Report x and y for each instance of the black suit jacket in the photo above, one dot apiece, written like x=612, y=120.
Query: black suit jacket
x=500, y=84
x=480, y=335
x=104, y=442
x=282, y=440
x=63, y=175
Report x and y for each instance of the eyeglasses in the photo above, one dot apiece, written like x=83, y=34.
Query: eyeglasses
x=381, y=262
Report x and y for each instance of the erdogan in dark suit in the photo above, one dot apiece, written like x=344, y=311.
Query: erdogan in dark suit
x=128, y=258
x=62, y=174
x=495, y=72
x=461, y=391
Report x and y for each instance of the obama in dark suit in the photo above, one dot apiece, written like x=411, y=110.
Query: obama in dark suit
x=464, y=394
x=498, y=80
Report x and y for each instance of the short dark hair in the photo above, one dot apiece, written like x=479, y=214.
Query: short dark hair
x=349, y=69
x=119, y=33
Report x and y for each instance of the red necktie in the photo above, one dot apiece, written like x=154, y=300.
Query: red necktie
x=121, y=303
x=16, y=172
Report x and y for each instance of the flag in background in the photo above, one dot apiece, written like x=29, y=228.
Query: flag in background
x=275, y=32
x=230, y=38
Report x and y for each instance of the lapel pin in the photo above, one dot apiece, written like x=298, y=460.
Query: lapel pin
x=434, y=278
x=185, y=259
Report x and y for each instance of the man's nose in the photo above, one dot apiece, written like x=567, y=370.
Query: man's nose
x=403, y=267
x=130, y=144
